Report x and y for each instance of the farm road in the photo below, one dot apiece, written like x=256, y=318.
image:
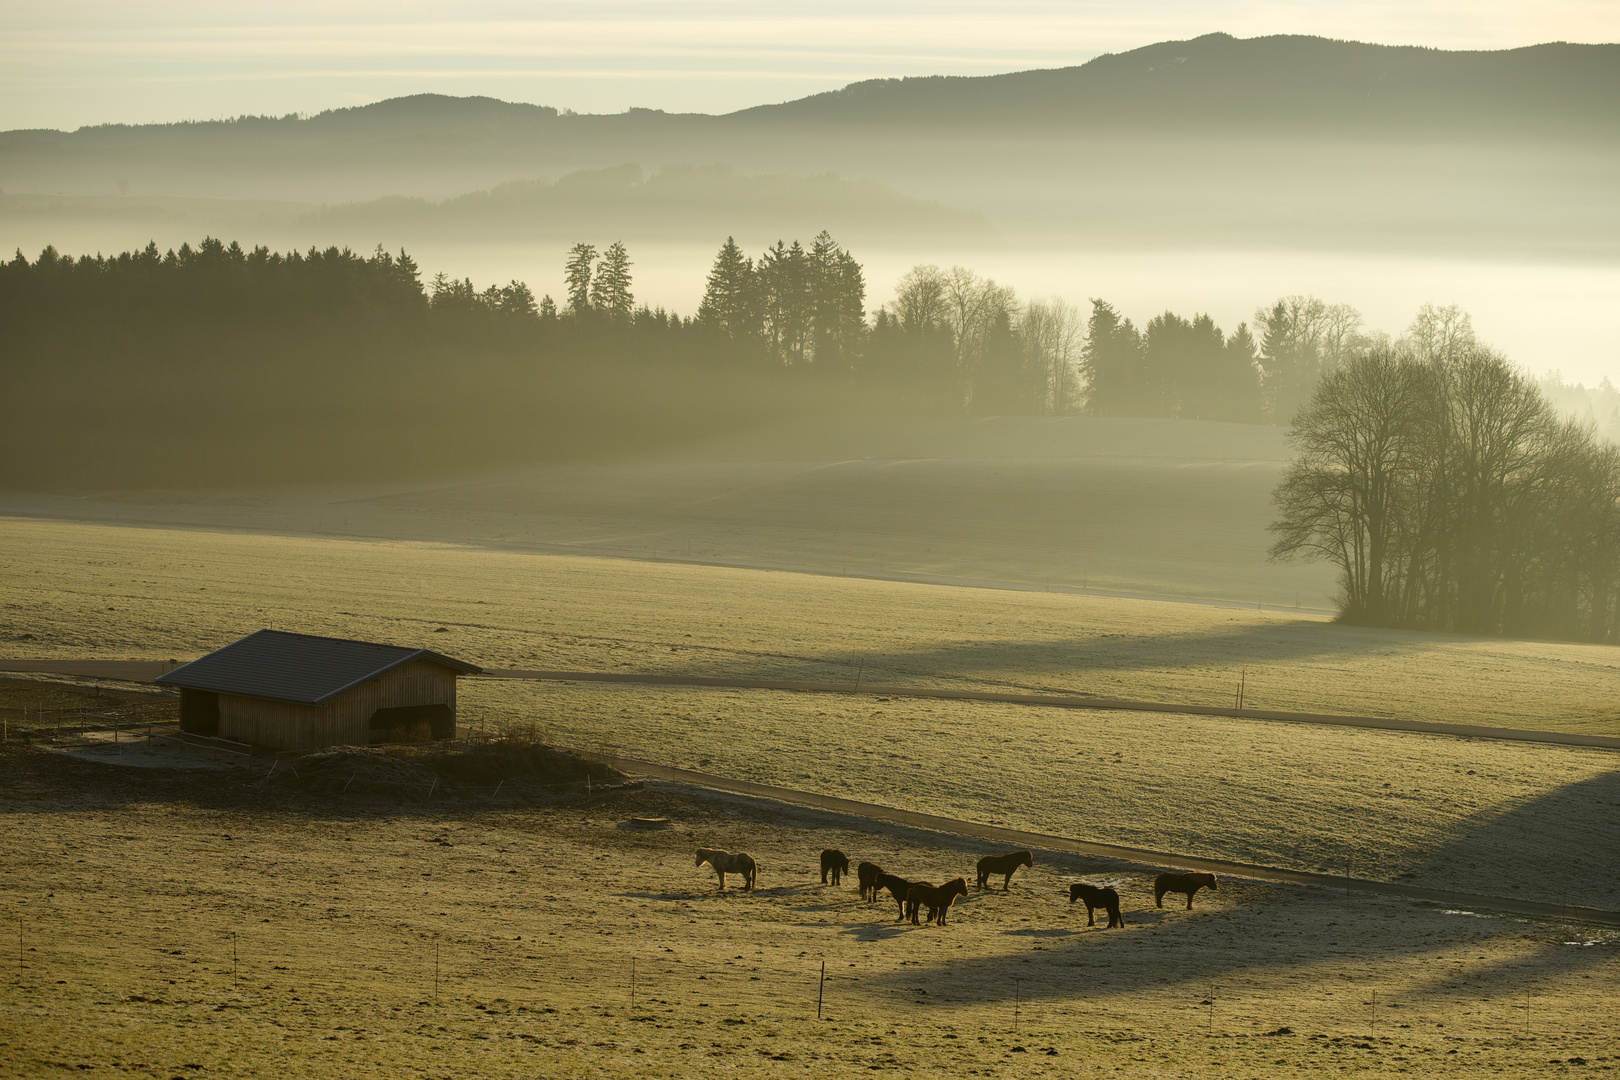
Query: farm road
x=1055, y=701
x=1038, y=841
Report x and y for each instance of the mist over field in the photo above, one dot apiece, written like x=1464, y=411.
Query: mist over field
x=460, y=463
x=1211, y=175
x=531, y=285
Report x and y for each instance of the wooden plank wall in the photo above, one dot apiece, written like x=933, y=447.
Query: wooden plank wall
x=342, y=722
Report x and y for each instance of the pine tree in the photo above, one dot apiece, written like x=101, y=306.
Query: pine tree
x=610, y=292
x=1110, y=360
x=729, y=303
x=577, y=272
x=784, y=289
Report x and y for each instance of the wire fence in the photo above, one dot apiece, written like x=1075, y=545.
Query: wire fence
x=81, y=726
x=497, y=975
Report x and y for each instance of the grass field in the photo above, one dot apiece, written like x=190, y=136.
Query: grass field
x=1474, y=816
x=216, y=924
x=77, y=590
x=1521, y=820
x=1155, y=506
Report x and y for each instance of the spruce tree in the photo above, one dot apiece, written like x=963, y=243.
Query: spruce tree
x=610, y=292
x=577, y=273
x=729, y=304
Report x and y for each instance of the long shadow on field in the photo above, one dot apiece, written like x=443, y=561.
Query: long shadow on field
x=1053, y=662
x=1246, y=929
x=1560, y=848
x=1235, y=946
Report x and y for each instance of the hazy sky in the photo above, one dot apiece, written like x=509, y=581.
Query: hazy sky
x=64, y=63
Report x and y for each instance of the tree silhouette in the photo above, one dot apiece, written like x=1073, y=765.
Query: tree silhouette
x=577, y=273
x=610, y=290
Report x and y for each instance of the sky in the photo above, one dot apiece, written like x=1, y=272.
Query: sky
x=68, y=63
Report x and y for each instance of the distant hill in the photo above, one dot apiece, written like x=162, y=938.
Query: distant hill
x=1558, y=88
x=1260, y=84
x=1272, y=142
x=676, y=203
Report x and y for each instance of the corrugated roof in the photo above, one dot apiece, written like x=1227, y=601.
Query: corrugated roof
x=299, y=668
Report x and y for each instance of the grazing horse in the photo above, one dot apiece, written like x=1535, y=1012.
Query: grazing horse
x=869, y=872
x=1095, y=898
x=898, y=888
x=728, y=862
x=1003, y=864
x=1182, y=883
x=938, y=901
x=836, y=861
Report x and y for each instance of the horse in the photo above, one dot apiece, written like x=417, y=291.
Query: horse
x=1181, y=883
x=898, y=888
x=1095, y=898
x=1003, y=864
x=727, y=862
x=938, y=901
x=836, y=861
x=868, y=873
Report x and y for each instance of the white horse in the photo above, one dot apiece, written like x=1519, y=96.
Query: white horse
x=727, y=862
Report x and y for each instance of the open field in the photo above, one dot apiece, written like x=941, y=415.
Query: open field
x=1155, y=506
x=1534, y=822
x=1474, y=816
x=213, y=923
x=95, y=591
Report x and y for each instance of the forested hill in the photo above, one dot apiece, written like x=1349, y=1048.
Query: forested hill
x=1281, y=141
x=1253, y=83
x=1260, y=84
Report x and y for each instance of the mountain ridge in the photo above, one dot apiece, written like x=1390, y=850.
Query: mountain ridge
x=1174, y=83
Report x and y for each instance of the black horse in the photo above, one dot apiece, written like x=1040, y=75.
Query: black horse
x=1181, y=883
x=1003, y=864
x=898, y=888
x=1095, y=898
x=868, y=873
x=938, y=901
x=836, y=861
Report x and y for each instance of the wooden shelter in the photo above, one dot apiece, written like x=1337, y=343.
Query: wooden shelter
x=301, y=692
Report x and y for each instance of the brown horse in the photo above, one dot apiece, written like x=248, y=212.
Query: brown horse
x=1181, y=883
x=1003, y=864
x=835, y=861
x=1095, y=898
x=868, y=873
x=938, y=901
x=898, y=888
x=726, y=862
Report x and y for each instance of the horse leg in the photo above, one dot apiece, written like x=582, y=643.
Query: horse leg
x=1006, y=882
x=1158, y=898
x=1091, y=915
x=1189, y=899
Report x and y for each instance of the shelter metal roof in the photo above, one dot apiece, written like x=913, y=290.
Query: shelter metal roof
x=299, y=668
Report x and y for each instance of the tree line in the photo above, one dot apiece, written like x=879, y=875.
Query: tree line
x=1450, y=494
x=954, y=341
x=245, y=362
